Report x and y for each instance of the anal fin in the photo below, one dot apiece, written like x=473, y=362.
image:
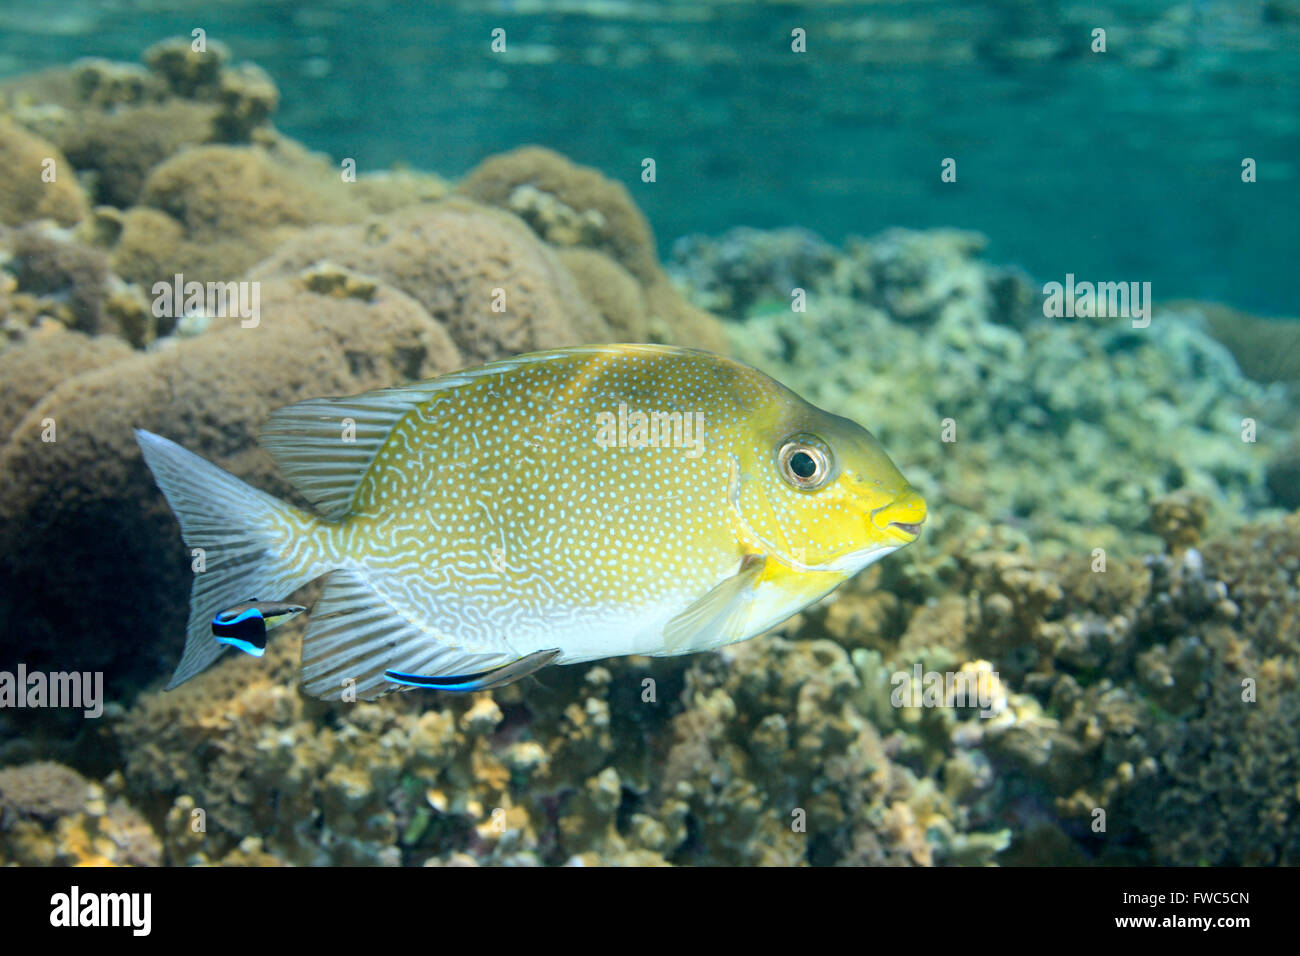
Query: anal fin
x=496, y=677
x=356, y=636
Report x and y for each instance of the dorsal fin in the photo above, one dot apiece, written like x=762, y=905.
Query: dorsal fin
x=306, y=438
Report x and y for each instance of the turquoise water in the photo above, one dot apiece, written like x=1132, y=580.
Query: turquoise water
x=1123, y=165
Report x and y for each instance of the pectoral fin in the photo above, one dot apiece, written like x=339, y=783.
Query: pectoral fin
x=718, y=618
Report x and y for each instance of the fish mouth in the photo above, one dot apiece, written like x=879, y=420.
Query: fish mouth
x=902, y=518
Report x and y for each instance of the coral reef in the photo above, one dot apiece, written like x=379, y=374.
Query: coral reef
x=68, y=280
x=750, y=268
x=567, y=205
x=50, y=815
x=214, y=211
x=1122, y=609
x=44, y=790
x=1146, y=702
x=189, y=175
x=766, y=762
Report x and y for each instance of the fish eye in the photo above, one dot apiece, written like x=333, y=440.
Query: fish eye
x=805, y=463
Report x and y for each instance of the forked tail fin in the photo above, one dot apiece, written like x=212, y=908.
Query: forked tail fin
x=241, y=532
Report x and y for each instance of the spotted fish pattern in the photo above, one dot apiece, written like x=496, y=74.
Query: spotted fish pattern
x=557, y=507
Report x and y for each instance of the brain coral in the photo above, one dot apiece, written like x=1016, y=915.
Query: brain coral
x=612, y=291
x=452, y=257
x=120, y=147
x=51, y=355
x=213, y=211
x=573, y=207
x=575, y=192
x=24, y=193
x=70, y=278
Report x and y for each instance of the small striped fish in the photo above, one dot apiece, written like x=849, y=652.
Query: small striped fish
x=557, y=507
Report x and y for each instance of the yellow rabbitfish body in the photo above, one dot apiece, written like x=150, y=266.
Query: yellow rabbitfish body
x=562, y=506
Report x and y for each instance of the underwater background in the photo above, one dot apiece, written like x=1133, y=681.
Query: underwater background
x=1112, y=537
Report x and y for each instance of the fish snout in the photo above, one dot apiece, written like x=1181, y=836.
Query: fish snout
x=902, y=517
